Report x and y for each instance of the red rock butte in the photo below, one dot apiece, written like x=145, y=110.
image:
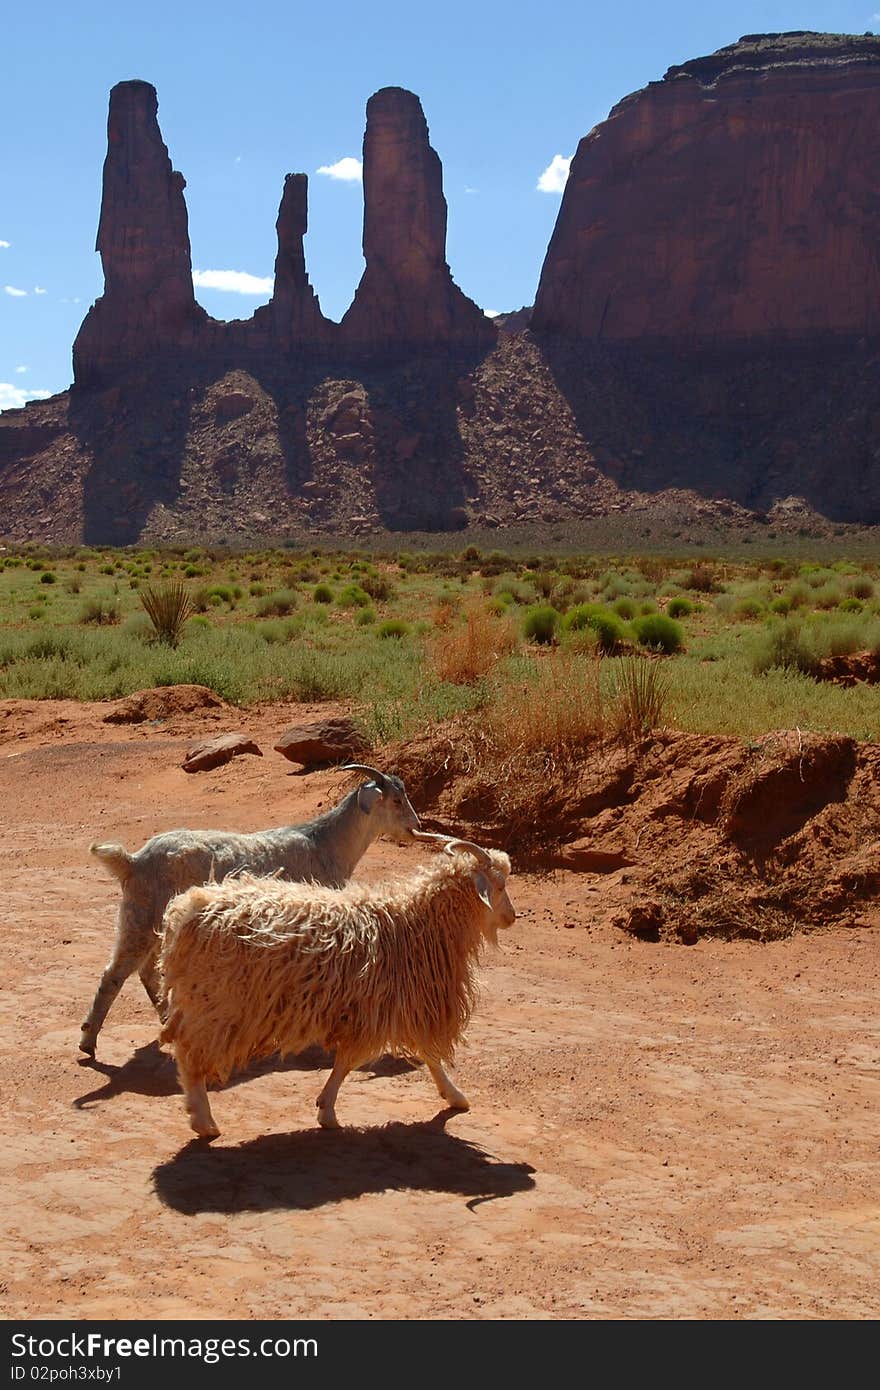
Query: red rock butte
x=406, y=300
x=737, y=199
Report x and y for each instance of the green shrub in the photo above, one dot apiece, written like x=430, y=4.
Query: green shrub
x=679, y=607
x=606, y=625
x=626, y=608
x=353, y=596
x=748, y=608
x=781, y=605
x=393, y=627
x=539, y=623
x=47, y=577
x=322, y=593
x=365, y=616
x=659, y=632
x=851, y=605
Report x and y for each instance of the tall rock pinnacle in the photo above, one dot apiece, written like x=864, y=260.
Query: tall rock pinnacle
x=148, y=302
x=293, y=315
x=407, y=294
x=737, y=199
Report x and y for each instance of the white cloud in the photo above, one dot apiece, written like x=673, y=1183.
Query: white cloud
x=16, y=294
x=233, y=281
x=14, y=397
x=471, y=190
x=21, y=369
x=38, y=289
x=349, y=170
x=5, y=245
x=554, y=176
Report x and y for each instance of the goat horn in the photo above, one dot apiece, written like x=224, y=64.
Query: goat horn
x=362, y=767
x=451, y=844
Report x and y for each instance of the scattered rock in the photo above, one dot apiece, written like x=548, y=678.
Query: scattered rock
x=162, y=703
x=322, y=741
x=213, y=752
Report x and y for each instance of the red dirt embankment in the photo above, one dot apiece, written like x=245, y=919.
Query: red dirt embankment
x=656, y=1131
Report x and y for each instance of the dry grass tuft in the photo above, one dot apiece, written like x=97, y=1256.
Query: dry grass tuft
x=463, y=654
x=554, y=712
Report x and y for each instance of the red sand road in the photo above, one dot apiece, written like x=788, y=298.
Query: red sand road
x=657, y=1131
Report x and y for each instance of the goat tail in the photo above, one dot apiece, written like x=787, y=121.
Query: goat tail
x=116, y=860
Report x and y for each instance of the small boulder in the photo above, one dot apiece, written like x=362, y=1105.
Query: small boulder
x=213, y=752
x=233, y=404
x=322, y=741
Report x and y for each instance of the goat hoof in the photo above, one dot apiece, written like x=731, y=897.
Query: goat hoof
x=328, y=1120
x=206, y=1131
x=87, y=1046
x=457, y=1101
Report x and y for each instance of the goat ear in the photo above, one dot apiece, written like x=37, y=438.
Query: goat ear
x=484, y=891
x=368, y=795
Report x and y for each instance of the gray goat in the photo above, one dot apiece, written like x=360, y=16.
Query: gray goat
x=324, y=850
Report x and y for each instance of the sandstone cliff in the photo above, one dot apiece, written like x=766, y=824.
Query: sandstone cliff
x=407, y=294
x=737, y=200
x=148, y=302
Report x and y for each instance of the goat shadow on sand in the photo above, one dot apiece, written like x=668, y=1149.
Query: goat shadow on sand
x=313, y=1167
x=151, y=1072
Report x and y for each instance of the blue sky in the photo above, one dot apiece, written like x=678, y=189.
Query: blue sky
x=248, y=93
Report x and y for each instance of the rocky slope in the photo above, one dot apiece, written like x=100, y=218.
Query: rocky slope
x=533, y=432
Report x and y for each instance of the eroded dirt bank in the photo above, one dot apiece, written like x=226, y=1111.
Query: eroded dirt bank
x=657, y=1131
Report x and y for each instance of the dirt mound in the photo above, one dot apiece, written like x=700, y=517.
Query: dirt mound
x=790, y=778
x=164, y=702
x=717, y=838
x=849, y=670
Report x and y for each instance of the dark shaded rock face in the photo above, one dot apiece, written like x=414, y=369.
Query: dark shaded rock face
x=738, y=199
x=407, y=294
x=148, y=302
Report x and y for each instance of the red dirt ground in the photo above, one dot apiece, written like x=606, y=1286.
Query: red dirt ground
x=658, y=1131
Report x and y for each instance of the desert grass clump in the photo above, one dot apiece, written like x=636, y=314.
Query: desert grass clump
x=465, y=653
x=641, y=689
x=784, y=646
x=278, y=604
x=103, y=612
x=659, y=633
x=167, y=606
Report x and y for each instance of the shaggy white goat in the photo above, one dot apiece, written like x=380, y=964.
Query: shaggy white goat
x=256, y=966
x=324, y=850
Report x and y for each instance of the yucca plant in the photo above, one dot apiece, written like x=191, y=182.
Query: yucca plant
x=641, y=693
x=168, y=606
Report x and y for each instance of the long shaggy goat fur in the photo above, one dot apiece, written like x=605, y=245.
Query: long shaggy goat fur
x=255, y=966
